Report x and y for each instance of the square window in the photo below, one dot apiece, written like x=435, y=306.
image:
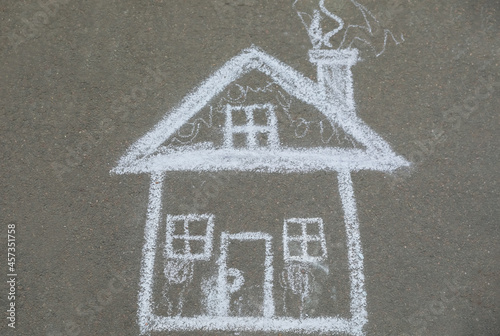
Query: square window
x=197, y=227
x=196, y=243
x=260, y=117
x=197, y=246
x=239, y=117
x=178, y=245
x=295, y=249
x=304, y=239
x=262, y=139
x=239, y=140
x=314, y=249
x=250, y=126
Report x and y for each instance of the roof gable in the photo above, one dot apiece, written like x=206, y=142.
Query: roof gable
x=147, y=154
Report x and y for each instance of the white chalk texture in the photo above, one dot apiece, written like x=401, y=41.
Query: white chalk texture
x=332, y=96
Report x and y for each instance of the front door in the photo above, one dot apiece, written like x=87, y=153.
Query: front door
x=245, y=279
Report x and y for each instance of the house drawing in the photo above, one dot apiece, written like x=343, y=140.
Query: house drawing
x=261, y=151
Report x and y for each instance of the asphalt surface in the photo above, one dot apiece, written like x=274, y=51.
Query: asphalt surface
x=82, y=81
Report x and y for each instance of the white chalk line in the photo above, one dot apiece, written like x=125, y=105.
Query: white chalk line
x=253, y=324
x=282, y=161
x=335, y=99
x=297, y=281
x=314, y=29
x=300, y=126
x=332, y=95
x=223, y=287
x=320, y=39
x=303, y=239
x=337, y=104
x=145, y=312
x=354, y=254
x=207, y=238
x=178, y=272
x=185, y=139
x=368, y=28
x=250, y=129
x=354, y=326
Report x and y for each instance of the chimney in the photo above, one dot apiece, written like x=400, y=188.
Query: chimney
x=335, y=77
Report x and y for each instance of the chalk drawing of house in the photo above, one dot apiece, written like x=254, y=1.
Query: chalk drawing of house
x=332, y=96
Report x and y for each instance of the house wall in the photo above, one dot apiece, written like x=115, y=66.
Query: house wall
x=263, y=202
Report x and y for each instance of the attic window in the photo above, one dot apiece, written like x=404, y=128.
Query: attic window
x=304, y=239
x=189, y=237
x=251, y=126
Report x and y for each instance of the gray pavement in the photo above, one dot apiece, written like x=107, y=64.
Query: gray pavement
x=81, y=82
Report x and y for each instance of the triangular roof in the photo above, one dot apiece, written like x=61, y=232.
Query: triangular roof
x=147, y=155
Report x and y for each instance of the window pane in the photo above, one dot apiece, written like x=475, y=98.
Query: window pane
x=260, y=117
x=262, y=139
x=294, y=229
x=239, y=140
x=178, y=245
x=197, y=246
x=197, y=227
x=179, y=227
x=314, y=249
x=312, y=229
x=239, y=117
x=294, y=249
